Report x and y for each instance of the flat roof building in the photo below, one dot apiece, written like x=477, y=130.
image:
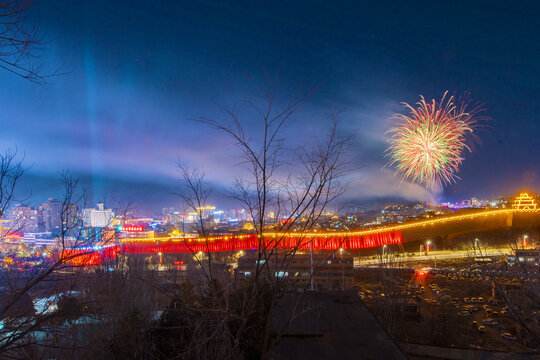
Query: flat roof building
x=331, y=271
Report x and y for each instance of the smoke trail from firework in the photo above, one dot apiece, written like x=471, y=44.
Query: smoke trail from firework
x=427, y=145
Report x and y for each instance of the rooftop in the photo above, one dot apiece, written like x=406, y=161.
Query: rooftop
x=333, y=325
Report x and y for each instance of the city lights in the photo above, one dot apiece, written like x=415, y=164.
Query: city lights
x=382, y=236
x=380, y=230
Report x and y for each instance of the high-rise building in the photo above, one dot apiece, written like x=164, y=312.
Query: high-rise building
x=52, y=215
x=25, y=219
x=98, y=217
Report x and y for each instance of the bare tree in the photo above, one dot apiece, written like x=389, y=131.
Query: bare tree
x=29, y=301
x=20, y=44
x=11, y=170
x=195, y=193
x=285, y=192
x=391, y=278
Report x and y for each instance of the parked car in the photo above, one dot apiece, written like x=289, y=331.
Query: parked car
x=507, y=336
x=490, y=322
x=482, y=328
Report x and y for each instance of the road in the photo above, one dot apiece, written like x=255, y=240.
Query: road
x=434, y=255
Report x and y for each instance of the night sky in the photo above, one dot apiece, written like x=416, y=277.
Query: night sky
x=134, y=74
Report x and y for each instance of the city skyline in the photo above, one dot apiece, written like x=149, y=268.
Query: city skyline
x=120, y=116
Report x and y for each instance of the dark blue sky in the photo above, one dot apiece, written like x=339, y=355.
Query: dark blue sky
x=138, y=71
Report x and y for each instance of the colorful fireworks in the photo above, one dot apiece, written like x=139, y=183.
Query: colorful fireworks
x=427, y=145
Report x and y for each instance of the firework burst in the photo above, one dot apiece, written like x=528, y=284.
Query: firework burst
x=427, y=145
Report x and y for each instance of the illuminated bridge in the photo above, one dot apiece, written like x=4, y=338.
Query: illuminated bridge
x=443, y=226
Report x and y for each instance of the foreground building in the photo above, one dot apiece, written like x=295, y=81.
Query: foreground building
x=330, y=271
x=330, y=325
x=528, y=258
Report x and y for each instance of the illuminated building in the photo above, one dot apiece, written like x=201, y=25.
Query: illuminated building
x=99, y=217
x=136, y=231
x=4, y=227
x=248, y=226
x=26, y=219
x=524, y=201
x=471, y=203
x=219, y=216
x=52, y=215
x=144, y=222
x=52, y=219
x=399, y=213
x=44, y=218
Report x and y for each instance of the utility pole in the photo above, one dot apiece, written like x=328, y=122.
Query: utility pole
x=311, y=264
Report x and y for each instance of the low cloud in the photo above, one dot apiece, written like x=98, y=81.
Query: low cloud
x=376, y=182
